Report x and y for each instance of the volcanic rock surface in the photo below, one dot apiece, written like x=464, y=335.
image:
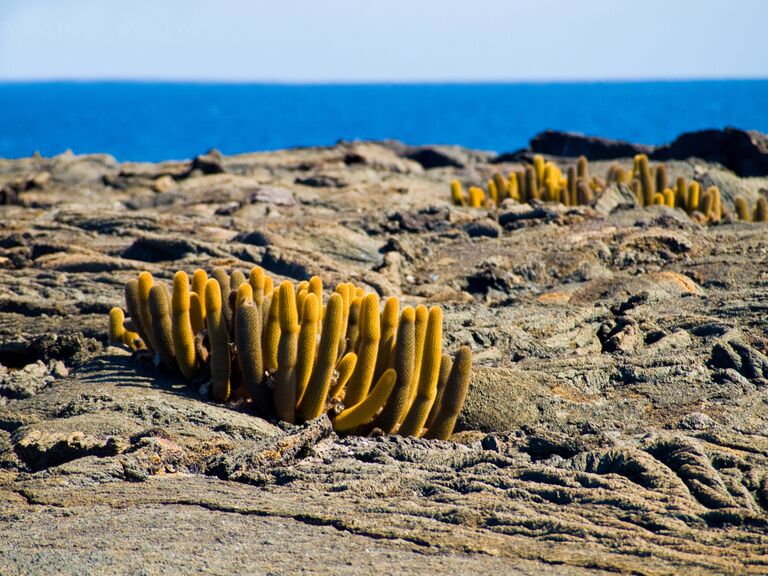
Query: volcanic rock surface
x=617, y=420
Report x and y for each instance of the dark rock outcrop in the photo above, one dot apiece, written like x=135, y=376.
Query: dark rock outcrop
x=554, y=143
x=745, y=152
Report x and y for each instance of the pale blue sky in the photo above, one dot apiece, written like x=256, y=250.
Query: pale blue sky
x=392, y=40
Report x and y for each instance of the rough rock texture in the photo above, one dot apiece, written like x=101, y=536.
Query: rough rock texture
x=617, y=420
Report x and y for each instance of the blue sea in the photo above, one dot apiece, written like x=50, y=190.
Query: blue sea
x=156, y=121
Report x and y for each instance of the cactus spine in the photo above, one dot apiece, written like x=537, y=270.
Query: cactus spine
x=454, y=396
x=428, y=376
x=183, y=334
x=219, y=337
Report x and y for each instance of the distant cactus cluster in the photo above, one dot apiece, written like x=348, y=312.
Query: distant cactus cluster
x=544, y=181
x=540, y=181
x=294, y=356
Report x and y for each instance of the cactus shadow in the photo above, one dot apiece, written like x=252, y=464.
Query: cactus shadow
x=123, y=370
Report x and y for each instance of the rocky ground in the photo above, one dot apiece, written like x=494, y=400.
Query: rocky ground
x=617, y=420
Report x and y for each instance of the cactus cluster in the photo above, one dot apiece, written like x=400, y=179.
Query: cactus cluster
x=295, y=354
x=544, y=180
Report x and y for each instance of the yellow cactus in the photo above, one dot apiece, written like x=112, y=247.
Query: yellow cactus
x=582, y=167
x=681, y=192
x=365, y=411
x=280, y=366
x=538, y=170
x=717, y=204
x=344, y=370
x=445, y=369
x=219, y=337
x=162, y=330
x=476, y=197
x=236, y=279
x=493, y=192
x=454, y=396
x=658, y=199
x=220, y=275
x=403, y=363
x=742, y=209
x=531, y=184
x=502, y=186
x=694, y=192
x=457, y=193
x=196, y=313
x=421, y=316
x=183, y=334
x=133, y=304
x=661, y=178
x=523, y=193
x=513, y=190
x=430, y=371
x=761, y=210
x=116, y=328
x=669, y=197
x=388, y=325
x=312, y=403
x=584, y=193
x=285, y=380
x=370, y=334
x=307, y=343
x=271, y=335
x=257, y=280
x=250, y=357
x=145, y=317
x=353, y=326
x=573, y=196
x=646, y=181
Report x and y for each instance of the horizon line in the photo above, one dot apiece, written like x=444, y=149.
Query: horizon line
x=364, y=82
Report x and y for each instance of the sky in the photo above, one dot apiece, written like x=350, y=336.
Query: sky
x=382, y=40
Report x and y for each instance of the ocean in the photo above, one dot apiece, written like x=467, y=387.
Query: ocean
x=151, y=121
